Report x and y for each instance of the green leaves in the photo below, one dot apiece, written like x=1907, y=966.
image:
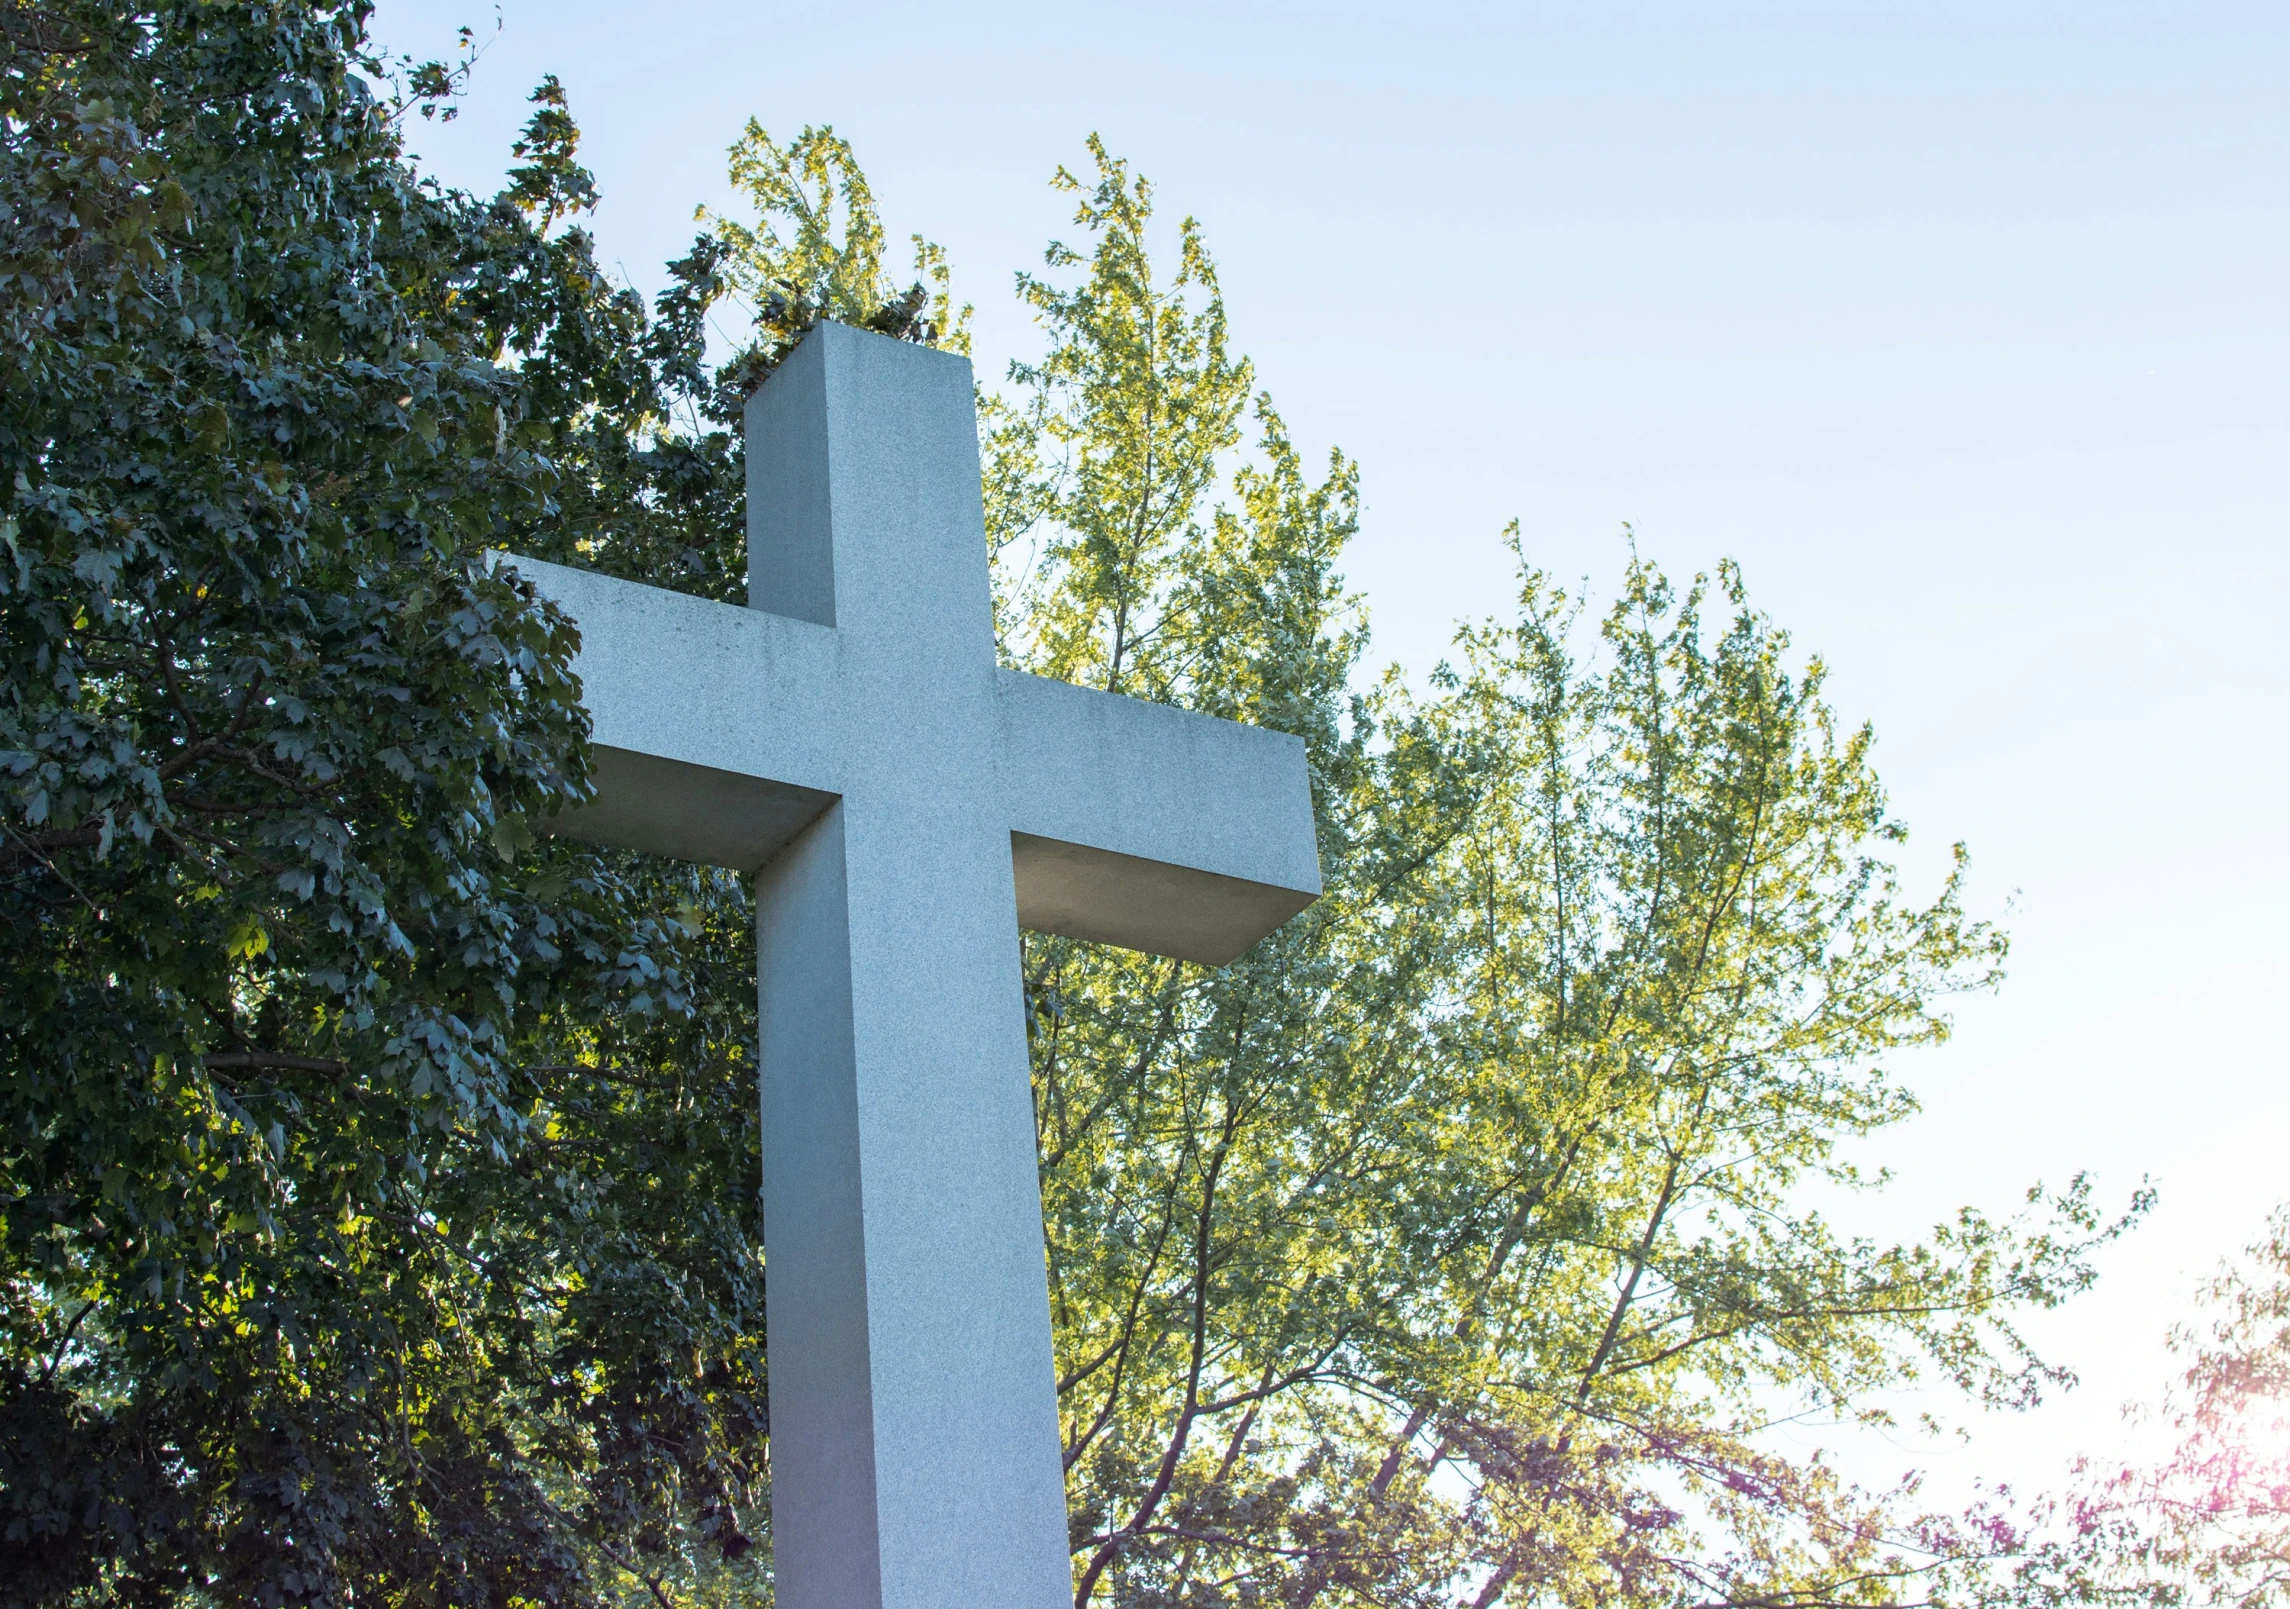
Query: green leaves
x=550, y=183
x=1134, y=407
x=816, y=252
x=378, y=1173
x=1456, y=1235
x=284, y=1278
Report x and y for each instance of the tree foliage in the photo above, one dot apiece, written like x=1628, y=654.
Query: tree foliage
x=795, y=267
x=1448, y=1248
x=2219, y=1503
x=379, y=1171
x=372, y=1228
x=2207, y=1519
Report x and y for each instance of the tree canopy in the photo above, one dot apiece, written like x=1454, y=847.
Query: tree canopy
x=378, y=1172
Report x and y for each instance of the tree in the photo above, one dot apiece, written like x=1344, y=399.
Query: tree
x=378, y=1170
x=377, y=1179
x=2219, y=1504
x=1444, y=1248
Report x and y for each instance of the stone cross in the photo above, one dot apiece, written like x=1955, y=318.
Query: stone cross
x=849, y=738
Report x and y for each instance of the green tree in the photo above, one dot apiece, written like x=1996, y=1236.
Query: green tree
x=793, y=269
x=1446, y=1248
x=378, y=1171
x=1141, y=403
x=377, y=1178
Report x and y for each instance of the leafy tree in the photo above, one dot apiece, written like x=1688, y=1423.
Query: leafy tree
x=1444, y=1248
x=377, y=1181
x=378, y=1170
x=1142, y=402
x=793, y=268
x=2219, y=1504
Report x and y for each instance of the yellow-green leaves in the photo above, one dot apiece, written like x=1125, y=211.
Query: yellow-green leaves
x=817, y=233
x=1457, y=1234
x=816, y=249
x=1128, y=421
x=247, y=938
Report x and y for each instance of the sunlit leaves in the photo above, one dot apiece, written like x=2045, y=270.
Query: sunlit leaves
x=378, y=1171
x=816, y=251
x=1451, y=1247
x=1137, y=403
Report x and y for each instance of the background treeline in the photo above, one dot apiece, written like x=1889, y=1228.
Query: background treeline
x=378, y=1174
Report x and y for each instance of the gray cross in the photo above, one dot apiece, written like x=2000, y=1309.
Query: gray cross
x=849, y=738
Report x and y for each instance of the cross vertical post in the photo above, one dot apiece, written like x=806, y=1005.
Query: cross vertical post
x=913, y=1408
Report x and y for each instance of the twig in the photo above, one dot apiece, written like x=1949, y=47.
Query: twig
x=651, y=1582
x=64, y=1340
x=264, y=1059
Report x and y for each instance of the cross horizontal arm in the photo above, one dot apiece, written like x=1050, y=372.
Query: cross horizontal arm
x=713, y=727
x=720, y=732
x=1151, y=827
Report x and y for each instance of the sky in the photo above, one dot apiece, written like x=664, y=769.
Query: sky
x=1961, y=326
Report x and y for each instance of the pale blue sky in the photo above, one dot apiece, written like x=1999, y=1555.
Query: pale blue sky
x=1961, y=325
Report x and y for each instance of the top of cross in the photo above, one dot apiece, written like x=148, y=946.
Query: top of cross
x=866, y=659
